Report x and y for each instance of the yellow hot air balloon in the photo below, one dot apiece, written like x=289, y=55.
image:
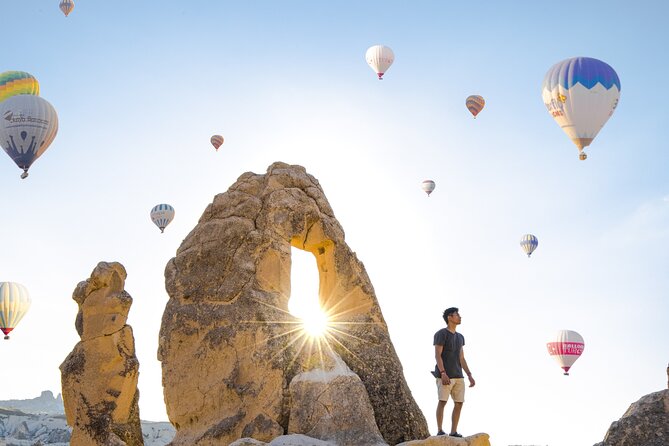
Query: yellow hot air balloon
x=475, y=104
x=14, y=304
x=66, y=6
x=13, y=83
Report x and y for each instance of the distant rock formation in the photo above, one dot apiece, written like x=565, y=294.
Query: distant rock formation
x=229, y=348
x=45, y=403
x=646, y=423
x=23, y=428
x=99, y=377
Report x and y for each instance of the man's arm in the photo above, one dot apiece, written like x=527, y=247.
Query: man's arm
x=445, y=380
x=464, y=365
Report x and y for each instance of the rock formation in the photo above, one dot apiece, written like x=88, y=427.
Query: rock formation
x=99, y=377
x=444, y=440
x=331, y=403
x=230, y=351
x=646, y=423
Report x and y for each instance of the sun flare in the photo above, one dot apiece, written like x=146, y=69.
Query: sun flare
x=314, y=322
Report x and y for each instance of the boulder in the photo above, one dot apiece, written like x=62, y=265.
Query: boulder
x=331, y=403
x=646, y=423
x=99, y=377
x=228, y=345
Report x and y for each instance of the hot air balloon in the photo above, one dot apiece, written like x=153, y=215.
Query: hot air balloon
x=216, y=141
x=475, y=104
x=66, y=6
x=162, y=215
x=566, y=348
x=428, y=186
x=14, y=304
x=13, y=83
x=380, y=58
x=28, y=125
x=581, y=94
x=529, y=243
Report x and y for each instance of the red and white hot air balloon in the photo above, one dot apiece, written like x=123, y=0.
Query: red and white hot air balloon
x=566, y=347
x=217, y=141
x=428, y=186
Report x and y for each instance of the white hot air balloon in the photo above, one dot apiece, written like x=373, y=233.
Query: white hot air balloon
x=14, y=304
x=566, y=347
x=380, y=58
x=162, y=215
x=28, y=125
x=428, y=186
x=581, y=94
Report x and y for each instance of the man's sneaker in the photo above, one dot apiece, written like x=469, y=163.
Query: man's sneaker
x=455, y=434
x=441, y=433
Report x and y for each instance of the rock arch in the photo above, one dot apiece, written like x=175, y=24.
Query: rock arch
x=228, y=345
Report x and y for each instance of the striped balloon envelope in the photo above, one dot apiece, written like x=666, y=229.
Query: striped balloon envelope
x=428, y=186
x=529, y=243
x=66, y=6
x=566, y=347
x=217, y=141
x=28, y=126
x=14, y=304
x=379, y=58
x=475, y=104
x=162, y=215
x=581, y=94
x=13, y=83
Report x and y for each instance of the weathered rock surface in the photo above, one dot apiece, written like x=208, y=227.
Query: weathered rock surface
x=99, y=377
x=331, y=403
x=444, y=440
x=646, y=423
x=228, y=346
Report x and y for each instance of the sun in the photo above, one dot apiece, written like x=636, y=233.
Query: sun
x=315, y=322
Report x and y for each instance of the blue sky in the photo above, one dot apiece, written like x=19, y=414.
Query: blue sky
x=140, y=89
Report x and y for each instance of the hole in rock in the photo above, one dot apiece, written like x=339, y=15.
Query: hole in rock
x=303, y=302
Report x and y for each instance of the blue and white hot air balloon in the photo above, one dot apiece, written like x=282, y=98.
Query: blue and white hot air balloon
x=581, y=94
x=529, y=243
x=28, y=125
x=162, y=215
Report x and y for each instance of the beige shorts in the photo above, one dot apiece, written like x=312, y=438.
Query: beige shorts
x=456, y=389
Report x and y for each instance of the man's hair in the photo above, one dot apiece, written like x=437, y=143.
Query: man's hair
x=448, y=312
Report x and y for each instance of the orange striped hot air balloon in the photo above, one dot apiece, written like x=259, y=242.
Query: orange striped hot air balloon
x=217, y=141
x=475, y=104
x=66, y=6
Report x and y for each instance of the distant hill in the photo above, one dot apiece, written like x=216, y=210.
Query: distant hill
x=41, y=421
x=45, y=403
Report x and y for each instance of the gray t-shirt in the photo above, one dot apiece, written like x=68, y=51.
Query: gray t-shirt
x=450, y=355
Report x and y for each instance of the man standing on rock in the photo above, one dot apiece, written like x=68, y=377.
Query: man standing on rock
x=450, y=361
